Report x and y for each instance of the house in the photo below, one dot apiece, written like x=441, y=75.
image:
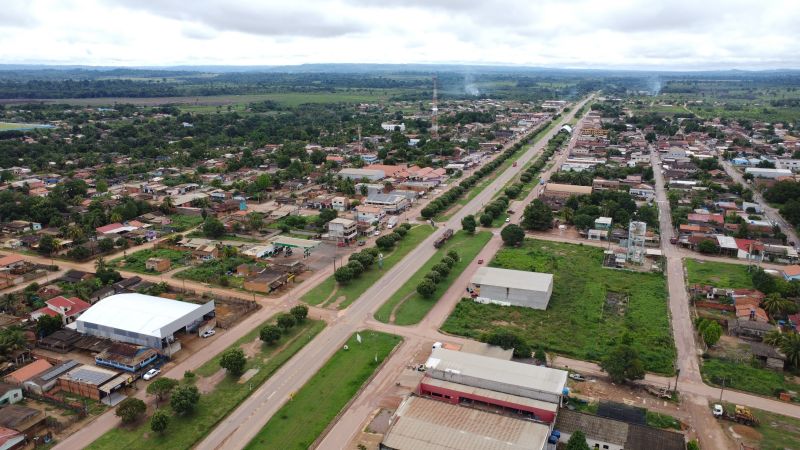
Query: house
x=555, y=194
x=390, y=203
x=25, y=373
x=127, y=357
x=22, y=419
x=340, y=204
x=342, y=230
x=11, y=439
x=613, y=434
x=643, y=192
x=9, y=394
x=157, y=264
x=791, y=272
x=770, y=356
x=11, y=262
x=68, y=308
x=368, y=214
x=744, y=327
x=76, y=276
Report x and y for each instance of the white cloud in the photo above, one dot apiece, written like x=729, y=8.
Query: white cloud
x=580, y=33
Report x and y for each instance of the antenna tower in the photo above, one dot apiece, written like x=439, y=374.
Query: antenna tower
x=435, y=113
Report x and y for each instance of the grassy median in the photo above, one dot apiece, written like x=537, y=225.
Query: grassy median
x=300, y=421
x=330, y=292
x=408, y=305
x=184, y=432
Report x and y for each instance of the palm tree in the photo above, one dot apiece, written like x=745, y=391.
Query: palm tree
x=167, y=205
x=774, y=338
x=115, y=217
x=11, y=340
x=790, y=346
x=774, y=304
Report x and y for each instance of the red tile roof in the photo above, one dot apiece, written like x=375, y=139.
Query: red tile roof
x=10, y=259
x=74, y=304
x=27, y=372
x=109, y=227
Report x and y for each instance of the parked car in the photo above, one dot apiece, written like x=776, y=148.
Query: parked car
x=207, y=333
x=377, y=232
x=718, y=411
x=151, y=374
x=508, y=219
x=362, y=243
x=480, y=261
x=576, y=376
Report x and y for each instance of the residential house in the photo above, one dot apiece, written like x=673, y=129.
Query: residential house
x=69, y=309
x=791, y=272
x=27, y=372
x=342, y=230
x=9, y=394
x=340, y=204
x=157, y=264
x=368, y=214
x=267, y=280
x=643, y=192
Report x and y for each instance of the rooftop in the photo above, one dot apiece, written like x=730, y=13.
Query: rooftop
x=528, y=376
x=516, y=279
x=424, y=424
x=143, y=314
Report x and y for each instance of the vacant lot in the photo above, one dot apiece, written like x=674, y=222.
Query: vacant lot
x=590, y=310
x=182, y=222
x=300, y=421
x=774, y=432
x=135, y=262
x=746, y=377
x=185, y=431
x=408, y=306
x=330, y=292
x=718, y=274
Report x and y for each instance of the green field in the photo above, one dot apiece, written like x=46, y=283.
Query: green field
x=745, y=377
x=135, y=262
x=185, y=431
x=8, y=126
x=300, y=421
x=721, y=275
x=412, y=306
x=591, y=308
x=329, y=291
x=182, y=222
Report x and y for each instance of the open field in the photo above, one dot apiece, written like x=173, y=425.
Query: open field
x=745, y=377
x=135, y=262
x=408, y=305
x=8, y=126
x=717, y=274
x=329, y=291
x=184, y=431
x=300, y=421
x=590, y=310
x=182, y=222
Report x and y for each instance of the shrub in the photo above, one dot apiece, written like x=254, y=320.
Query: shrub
x=269, y=334
x=434, y=276
x=426, y=288
x=286, y=321
x=453, y=255
x=449, y=261
x=234, y=361
x=343, y=275
x=442, y=268
x=356, y=267
x=184, y=399
x=159, y=421
x=300, y=312
x=130, y=410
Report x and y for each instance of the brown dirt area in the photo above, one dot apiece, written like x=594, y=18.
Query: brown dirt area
x=207, y=384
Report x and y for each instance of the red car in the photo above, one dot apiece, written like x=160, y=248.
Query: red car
x=480, y=261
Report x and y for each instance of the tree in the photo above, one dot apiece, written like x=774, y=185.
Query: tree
x=449, y=261
x=270, y=334
x=286, y=321
x=775, y=305
x=454, y=254
x=106, y=244
x=707, y=246
x=710, y=331
x=764, y=282
x=106, y=273
x=486, y=219
x=385, y=242
x=507, y=340
x=426, y=288
x=255, y=221
x=234, y=361
x=47, y=325
x=343, y=275
x=790, y=346
x=161, y=387
x=11, y=340
x=184, y=399
x=356, y=267
x=325, y=216
x=442, y=268
x=213, y=228
x=623, y=363
x=537, y=216
x=577, y=441
x=47, y=245
x=159, y=421
x=130, y=410
x=512, y=235
x=300, y=312
x=583, y=221
x=468, y=224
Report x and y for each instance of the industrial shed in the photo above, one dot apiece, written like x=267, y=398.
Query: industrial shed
x=142, y=319
x=519, y=379
x=512, y=287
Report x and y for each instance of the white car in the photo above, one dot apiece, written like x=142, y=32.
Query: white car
x=508, y=219
x=377, y=233
x=576, y=376
x=151, y=374
x=207, y=333
x=718, y=411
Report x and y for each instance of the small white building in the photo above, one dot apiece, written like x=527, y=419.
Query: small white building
x=512, y=287
x=392, y=126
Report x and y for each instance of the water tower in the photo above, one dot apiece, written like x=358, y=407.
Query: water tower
x=636, y=238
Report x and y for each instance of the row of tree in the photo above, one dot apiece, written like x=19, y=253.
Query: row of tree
x=270, y=334
x=427, y=287
x=358, y=262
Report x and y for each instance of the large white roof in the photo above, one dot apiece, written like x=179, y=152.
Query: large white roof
x=515, y=279
x=143, y=314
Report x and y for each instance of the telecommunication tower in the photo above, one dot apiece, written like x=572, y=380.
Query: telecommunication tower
x=435, y=113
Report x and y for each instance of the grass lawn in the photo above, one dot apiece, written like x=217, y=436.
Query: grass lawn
x=745, y=377
x=184, y=432
x=225, y=237
x=182, y=222
x=135, y=262
x=322, y=292
x=590, y=310
x=723, y=275
x=300, y=421
x=413, y=307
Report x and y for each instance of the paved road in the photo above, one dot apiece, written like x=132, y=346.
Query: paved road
x=247, y=420
x=771, y=213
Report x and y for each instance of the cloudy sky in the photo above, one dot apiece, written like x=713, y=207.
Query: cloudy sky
x=674, y=34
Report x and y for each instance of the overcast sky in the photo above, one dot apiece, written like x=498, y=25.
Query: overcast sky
x=649, y=34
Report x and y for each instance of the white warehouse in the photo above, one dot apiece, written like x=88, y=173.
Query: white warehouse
x=512, y=287
x=142, y=319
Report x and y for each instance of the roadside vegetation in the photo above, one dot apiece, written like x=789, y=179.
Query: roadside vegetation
x=592, y=312
x=408, y=304
x=330, y=291
x=306, y=414
x=188, y=421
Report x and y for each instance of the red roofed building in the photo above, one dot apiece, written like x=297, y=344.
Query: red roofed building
x=754, y=313
x=706, y=219
x=749, y=248
x=68, y=308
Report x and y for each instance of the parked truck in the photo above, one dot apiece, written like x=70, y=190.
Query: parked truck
x=741, y=414
x=448, y=233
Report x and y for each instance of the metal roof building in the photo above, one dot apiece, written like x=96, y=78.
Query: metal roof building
x=141, y=319
x=523, y=380
x=512, y=287
x=424, y=424
x=612, y=434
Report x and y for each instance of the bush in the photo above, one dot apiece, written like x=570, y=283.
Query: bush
x=184, y=399
x=385, y=242
x=442, y=268
x=453, y=255
x=343, y=275
x=356, y=267
x=300, y=312
x=286, y=321
x=508, y=340
x=434, y=276
x=269, y=334
x=426, y=288
x=449, y=261
x=130, y=410
x=159, y=421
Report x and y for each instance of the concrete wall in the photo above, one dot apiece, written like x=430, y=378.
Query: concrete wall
x=515, y=297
